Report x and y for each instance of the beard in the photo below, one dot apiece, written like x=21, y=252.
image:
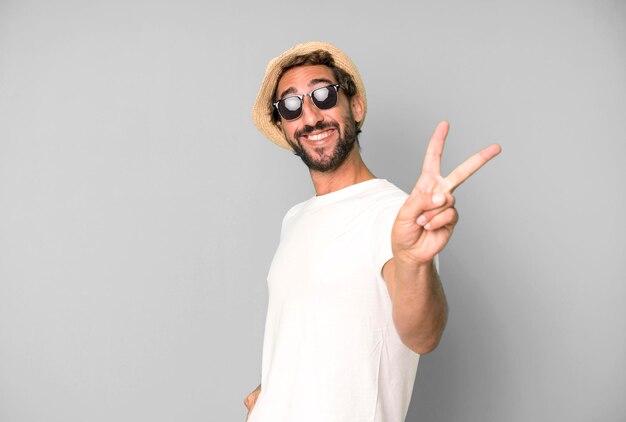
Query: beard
x=326, y=163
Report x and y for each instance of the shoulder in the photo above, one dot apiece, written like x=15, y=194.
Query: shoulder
x=293, y=212
x=386, y=195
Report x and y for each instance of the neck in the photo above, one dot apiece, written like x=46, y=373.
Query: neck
x=350, y=172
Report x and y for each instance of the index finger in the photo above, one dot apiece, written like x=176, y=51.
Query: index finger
x=471, y=166
x=432, y=158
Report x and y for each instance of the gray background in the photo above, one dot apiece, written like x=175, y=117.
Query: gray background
x=140, y=208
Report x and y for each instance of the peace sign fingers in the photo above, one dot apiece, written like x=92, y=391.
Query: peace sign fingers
x=427, y=218
x=432, y=158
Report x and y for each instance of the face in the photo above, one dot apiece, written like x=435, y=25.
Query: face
x=322, y=138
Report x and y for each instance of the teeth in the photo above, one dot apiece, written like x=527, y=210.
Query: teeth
x=319, y=136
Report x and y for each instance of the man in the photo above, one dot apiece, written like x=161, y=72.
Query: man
x=354, y=294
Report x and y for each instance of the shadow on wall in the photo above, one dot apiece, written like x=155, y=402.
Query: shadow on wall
x=464, y=379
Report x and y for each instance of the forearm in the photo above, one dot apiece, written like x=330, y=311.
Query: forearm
x=419, y=307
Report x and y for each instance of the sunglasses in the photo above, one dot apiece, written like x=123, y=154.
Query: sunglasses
x=290, y=108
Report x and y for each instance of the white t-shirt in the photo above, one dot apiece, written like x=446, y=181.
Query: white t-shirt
x=331, y=352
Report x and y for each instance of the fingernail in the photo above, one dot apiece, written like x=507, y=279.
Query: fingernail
x=438, y=199
x=421, y=220
x=427, y=226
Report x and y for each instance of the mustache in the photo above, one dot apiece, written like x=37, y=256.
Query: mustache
x=318, y=126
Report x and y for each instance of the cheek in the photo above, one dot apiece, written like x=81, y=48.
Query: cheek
x=290, y=129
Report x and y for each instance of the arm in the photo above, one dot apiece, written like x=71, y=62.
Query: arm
x=421, y=230
x=419, y=307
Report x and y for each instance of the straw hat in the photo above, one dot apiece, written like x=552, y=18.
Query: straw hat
x=263, y=108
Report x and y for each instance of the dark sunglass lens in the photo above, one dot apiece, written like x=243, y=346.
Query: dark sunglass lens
x=290, y=108
x=325, y=98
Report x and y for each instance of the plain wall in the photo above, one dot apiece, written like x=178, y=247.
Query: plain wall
x=140, y=208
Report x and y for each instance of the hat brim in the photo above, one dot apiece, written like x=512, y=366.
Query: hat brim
x=263, y=108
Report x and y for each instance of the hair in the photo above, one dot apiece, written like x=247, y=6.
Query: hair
x=318, y=57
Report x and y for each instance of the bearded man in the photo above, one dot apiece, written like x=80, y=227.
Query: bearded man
x=354, y=293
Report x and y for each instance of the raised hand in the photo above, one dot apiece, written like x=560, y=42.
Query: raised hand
x=427, y=218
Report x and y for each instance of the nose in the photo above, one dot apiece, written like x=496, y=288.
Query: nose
x=310, y=113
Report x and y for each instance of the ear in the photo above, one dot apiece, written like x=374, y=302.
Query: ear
x=357, y=107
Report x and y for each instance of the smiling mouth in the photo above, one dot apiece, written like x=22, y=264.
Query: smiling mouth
x=319, y=136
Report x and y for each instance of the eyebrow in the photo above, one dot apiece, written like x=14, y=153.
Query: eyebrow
x=312, y=82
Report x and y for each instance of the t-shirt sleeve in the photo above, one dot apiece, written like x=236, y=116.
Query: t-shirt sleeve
x=383, y=223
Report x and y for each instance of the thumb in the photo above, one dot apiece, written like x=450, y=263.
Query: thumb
x=418, y=202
